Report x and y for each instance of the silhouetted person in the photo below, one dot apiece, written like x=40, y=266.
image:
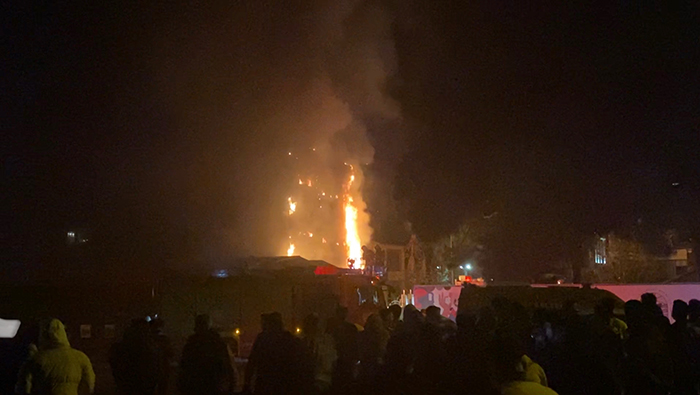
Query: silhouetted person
x=205, y=367
x=387, y=319
x=345, y=335
x=56, y=368
x=694, y=330
x=431, y=362
x=164, y=355
x=402, y=349
x=648, y=363
x=20, y=386
x=134, y=361
x=432, y=314
x=649, y=302
x=680, y=315
x=372, y=346
x=694, y=319
x=680, y=343
x=446, y=326
x=693, y=311
x=467, y=367
x=604, y=311
x=321, y=354
x=277, y=363
x=395, y=311
x=16, y=355
x=605, y=348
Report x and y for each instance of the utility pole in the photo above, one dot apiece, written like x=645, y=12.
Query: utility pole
x=451, y=259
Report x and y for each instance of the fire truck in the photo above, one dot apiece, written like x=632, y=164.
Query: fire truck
x=235, y=299
x=466, y=298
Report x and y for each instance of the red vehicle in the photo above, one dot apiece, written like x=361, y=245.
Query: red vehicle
x=236, y=301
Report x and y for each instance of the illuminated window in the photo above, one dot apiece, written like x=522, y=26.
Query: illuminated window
x=600, y=259
x=85, y=331
x=110, y=331
x=600, y=253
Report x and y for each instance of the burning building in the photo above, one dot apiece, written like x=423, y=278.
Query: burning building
x=326, y=128
x=326, y=218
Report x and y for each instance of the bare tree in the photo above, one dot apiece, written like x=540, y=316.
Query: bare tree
x=628, y=261
x=451, y=251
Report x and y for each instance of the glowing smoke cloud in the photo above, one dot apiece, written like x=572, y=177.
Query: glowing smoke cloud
x=325, y=185
x=274, y=121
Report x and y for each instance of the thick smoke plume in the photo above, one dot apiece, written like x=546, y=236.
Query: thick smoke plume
x=265, y=99
x=356, y=57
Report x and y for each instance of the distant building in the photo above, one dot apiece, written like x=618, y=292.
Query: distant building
x=76, y=236
x=682, y=260
x=679, y=262
x=400, y=266
x=394, y=261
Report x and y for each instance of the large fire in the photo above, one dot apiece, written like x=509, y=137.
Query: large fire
x=353, y=245
x=324, y=214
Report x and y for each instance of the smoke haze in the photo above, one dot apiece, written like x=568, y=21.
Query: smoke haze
x=164, y=128
x=249, y=94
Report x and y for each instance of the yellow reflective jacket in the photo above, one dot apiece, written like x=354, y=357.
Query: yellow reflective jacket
x=533, y=371
x=526, y=388
x=57, y=369
x=619, y=327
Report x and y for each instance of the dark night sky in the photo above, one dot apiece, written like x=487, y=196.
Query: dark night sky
x=158, y=126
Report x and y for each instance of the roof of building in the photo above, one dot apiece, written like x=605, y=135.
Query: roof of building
x=690, y=277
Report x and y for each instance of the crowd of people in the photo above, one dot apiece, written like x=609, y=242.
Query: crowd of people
x=502, y=348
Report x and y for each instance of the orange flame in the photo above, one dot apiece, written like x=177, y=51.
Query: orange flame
x=290, y=250
x=353, y=245
x=292, y=206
